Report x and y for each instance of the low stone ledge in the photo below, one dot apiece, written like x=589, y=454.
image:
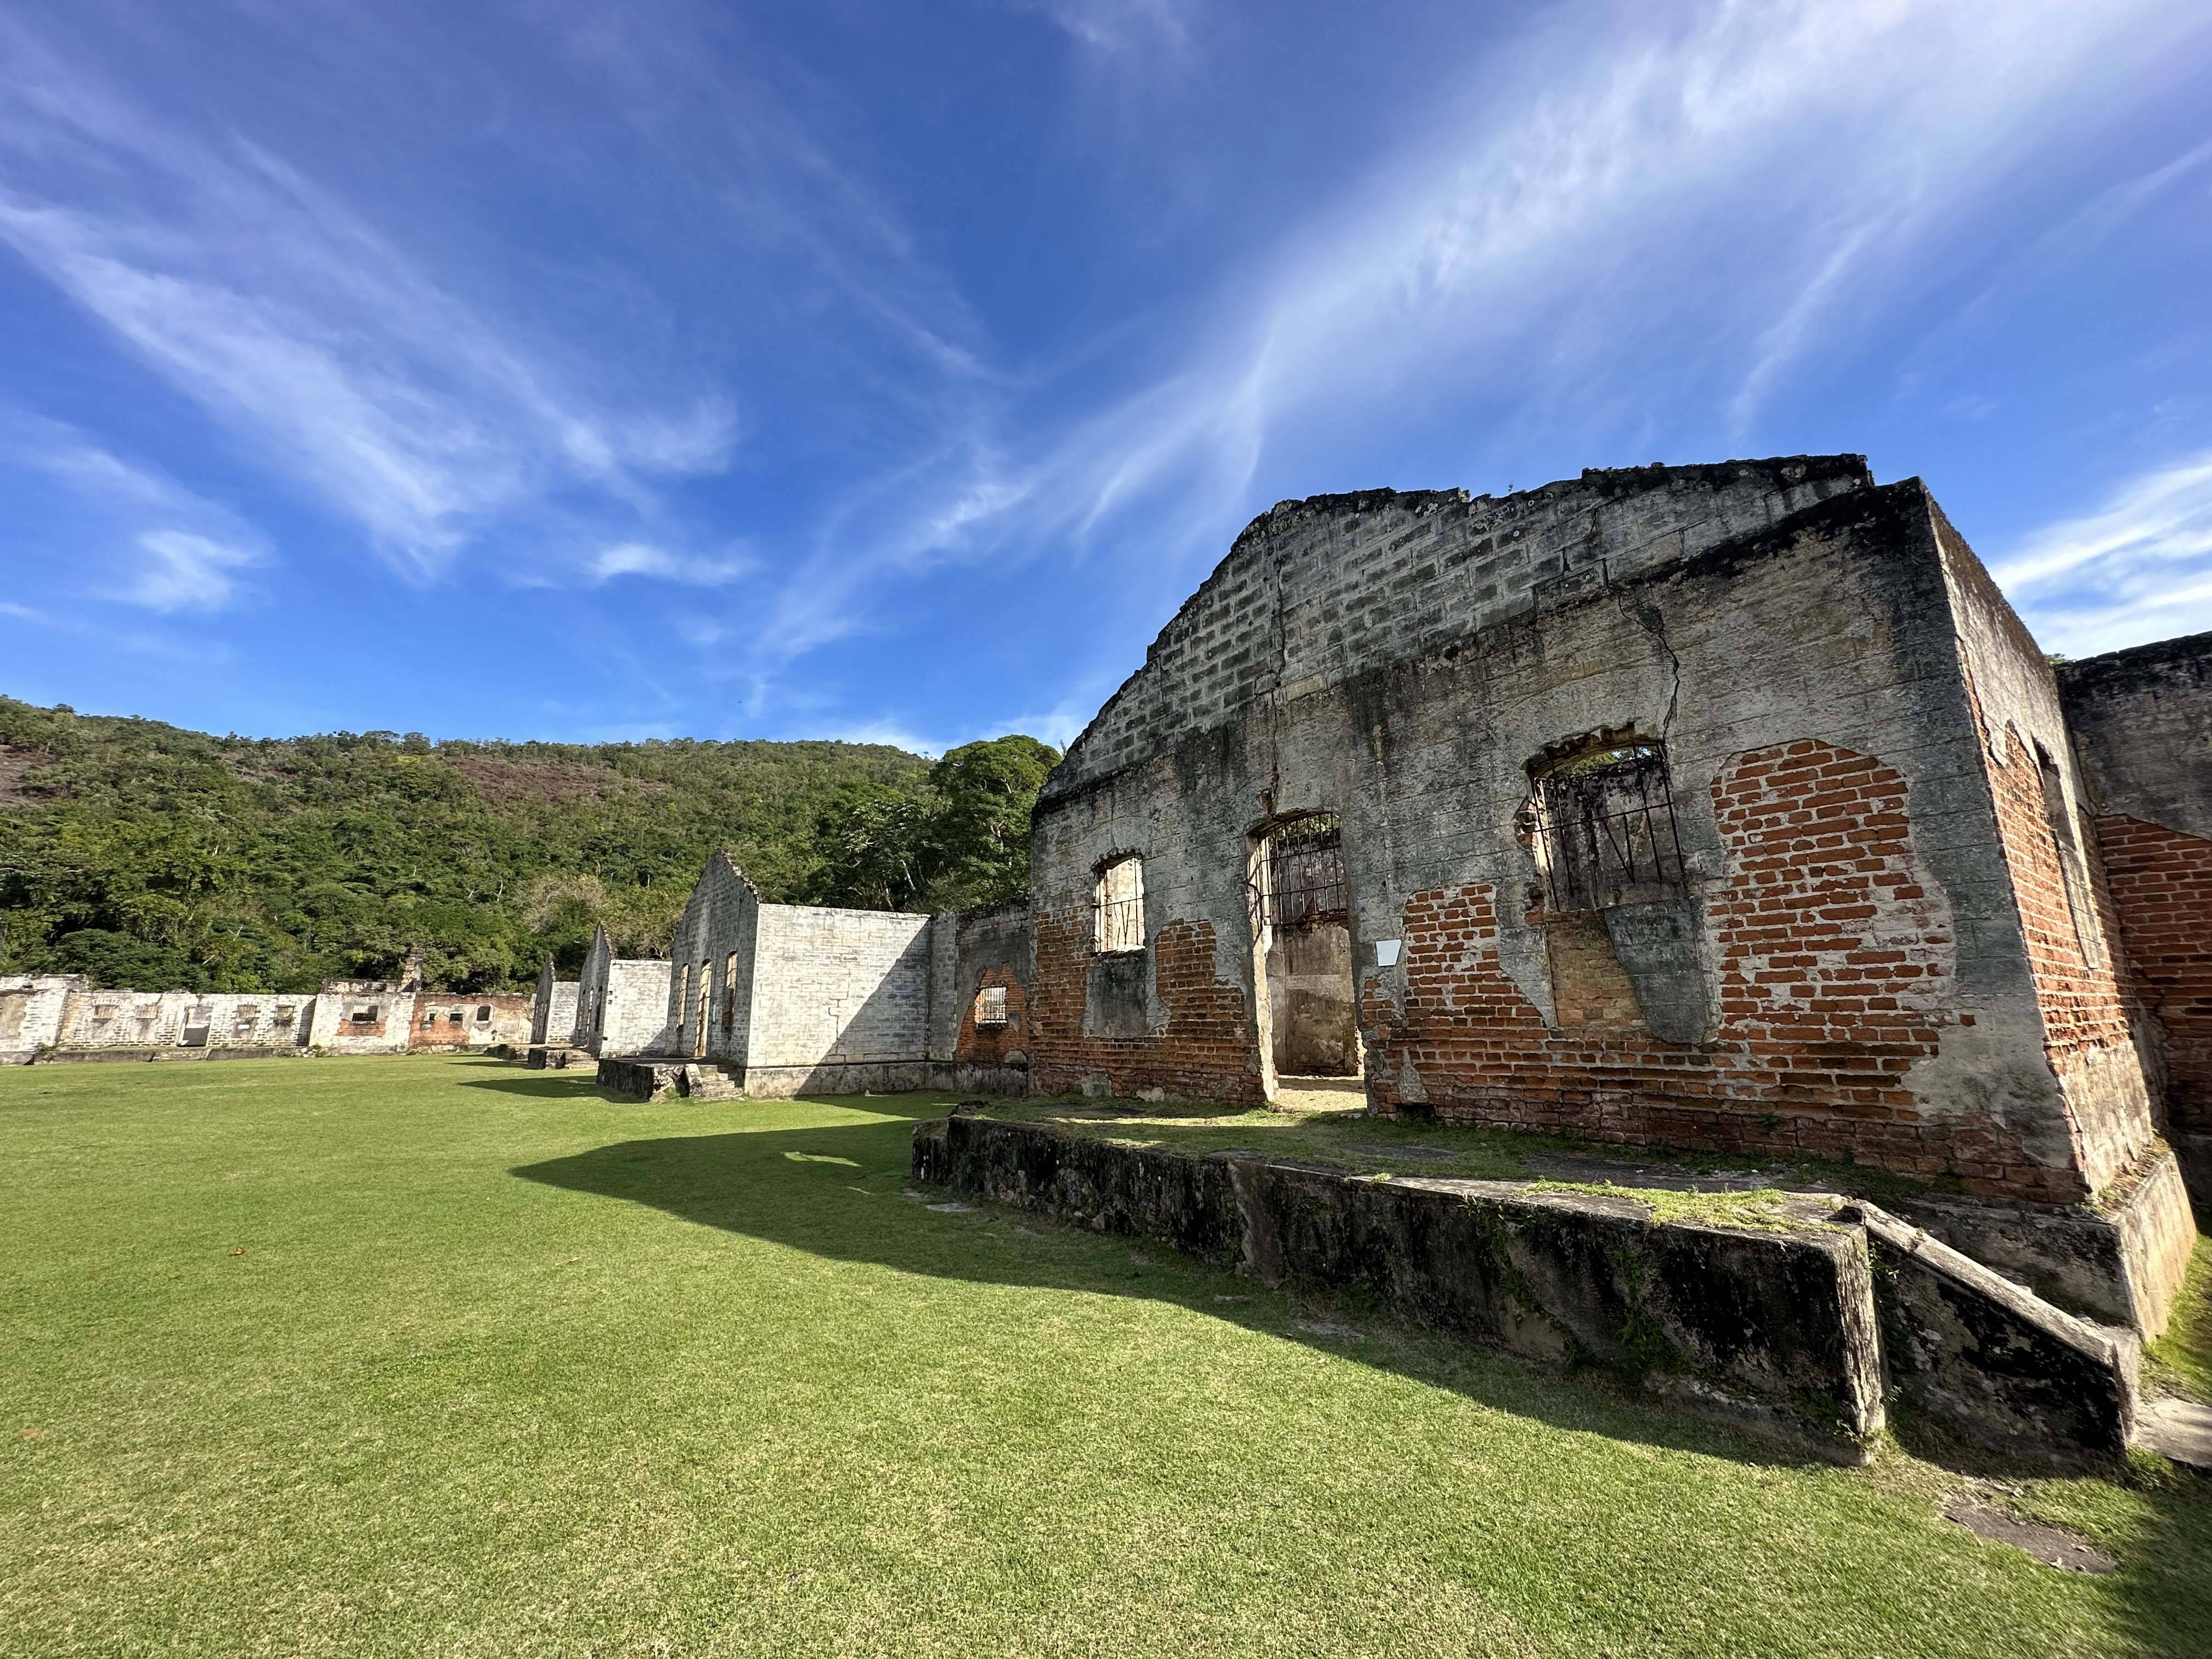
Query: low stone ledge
x=1990, y=1360
x=2120, y=1261
x=93, y=1057
x=1773, y=1329
x=640, y=1080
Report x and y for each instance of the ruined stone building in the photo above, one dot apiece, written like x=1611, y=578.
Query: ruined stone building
x=771, y=1000
x=1721, y=808
x=622, y=1003
x=1726, y=808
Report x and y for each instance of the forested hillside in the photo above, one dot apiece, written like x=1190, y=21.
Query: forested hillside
x=149, y=856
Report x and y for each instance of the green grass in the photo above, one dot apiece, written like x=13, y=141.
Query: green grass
x=2180, y=1361
x=414, y=1357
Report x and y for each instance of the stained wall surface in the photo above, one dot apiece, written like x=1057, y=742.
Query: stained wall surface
x=1839, y=965
x=473, y=1019
x=2142, y=723
x=31, y=1006
x=553, y=1007
x=361, y=1017
x=622, y=1002
x=255, y=1020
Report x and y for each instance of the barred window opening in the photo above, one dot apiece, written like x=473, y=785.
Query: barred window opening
x=990, y=1006
x=1119, y=907
x=1302, y=874
x=1604, y=826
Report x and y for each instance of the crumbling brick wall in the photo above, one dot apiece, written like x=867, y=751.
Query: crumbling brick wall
x=457, y=1020
x=1838, y=963
x=2141, y=721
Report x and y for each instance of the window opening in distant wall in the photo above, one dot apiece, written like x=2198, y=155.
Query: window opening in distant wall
x=366, y=1016
x=2073, y=868
x=1603, y=816
x=284, y=1015
x=1118, y=907
x=729, y=993
x=706, y=994
x=990, y=1006
x=483, y=1012
x=683, y=999
x=456, y=1018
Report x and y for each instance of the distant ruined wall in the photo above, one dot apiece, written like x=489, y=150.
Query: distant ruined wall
x=32, y=1008
x=185, y=1019
x=361, y=1017
x=453, y=1019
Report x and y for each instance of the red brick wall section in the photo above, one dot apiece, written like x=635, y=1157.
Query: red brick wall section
x=2161, y=885
x=1835, y=967
x=2084, y=1003
x=989, y=1045
x=1206, y=1051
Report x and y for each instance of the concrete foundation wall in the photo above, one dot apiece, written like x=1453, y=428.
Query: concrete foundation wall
x=1787, y=1331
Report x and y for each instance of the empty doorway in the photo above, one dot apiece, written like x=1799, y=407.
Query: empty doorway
x=1308, y=992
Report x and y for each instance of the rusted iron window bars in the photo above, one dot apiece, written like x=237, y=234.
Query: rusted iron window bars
x=1606, y=830
x=1302, y=874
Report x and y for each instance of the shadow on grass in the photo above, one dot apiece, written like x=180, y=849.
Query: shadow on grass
x=545, y=1086
x=841, y=1192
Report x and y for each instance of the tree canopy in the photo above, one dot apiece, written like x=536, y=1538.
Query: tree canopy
x=142, y=854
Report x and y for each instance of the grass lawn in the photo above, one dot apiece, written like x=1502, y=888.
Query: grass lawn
x=437, y=1355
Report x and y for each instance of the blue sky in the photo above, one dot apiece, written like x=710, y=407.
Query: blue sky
x=893, y=371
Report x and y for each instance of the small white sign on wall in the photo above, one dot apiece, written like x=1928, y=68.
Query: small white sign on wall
x=1386, y=952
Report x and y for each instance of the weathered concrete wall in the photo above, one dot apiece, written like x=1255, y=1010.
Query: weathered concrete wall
x=453, y=1019
x=1788, y=1331
x=1313, y=1002
x=2141, y=721
x=553, y=1008
x=2062, y=902
x=1990, y=1361
x=836, y=996
x=1843, y=972
x=32, y=1007
x=622, y=1002
x=987, y=948
x=714, y=948
x=361, y=1017
x=224, y=1020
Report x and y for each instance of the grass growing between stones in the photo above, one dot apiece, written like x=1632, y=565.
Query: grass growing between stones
x=415, y=1357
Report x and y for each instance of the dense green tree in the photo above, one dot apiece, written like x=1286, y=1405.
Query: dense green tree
x=964, y=839
x=143, y=854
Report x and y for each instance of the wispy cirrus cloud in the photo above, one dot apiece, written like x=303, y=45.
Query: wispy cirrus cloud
x=2141, y=564
x=113, y=530
x=643, y=559
x=1549, y=240
x=336, y=360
